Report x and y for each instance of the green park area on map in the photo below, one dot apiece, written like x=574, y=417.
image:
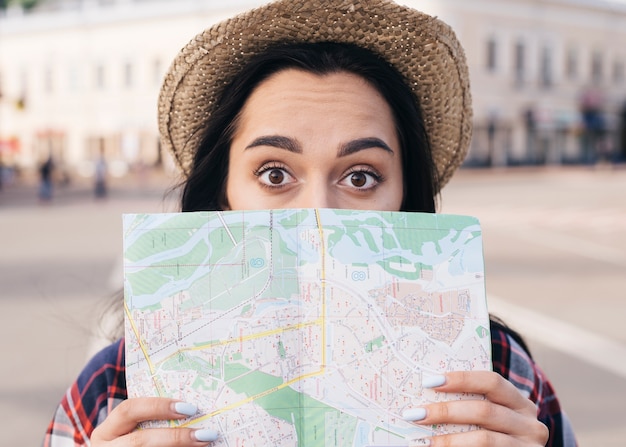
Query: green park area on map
x=303, y=327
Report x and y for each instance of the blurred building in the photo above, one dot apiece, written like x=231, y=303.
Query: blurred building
x=78, y=77
x=548, y=77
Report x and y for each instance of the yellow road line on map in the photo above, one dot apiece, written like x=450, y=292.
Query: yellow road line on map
x=317, y=322
x=142, y=346
x=323, y=286
x=320, y=321
x=252, y=398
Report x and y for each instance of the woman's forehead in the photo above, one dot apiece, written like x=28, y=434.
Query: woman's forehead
x=301, y=91
x=295, y=79
x=331, y=107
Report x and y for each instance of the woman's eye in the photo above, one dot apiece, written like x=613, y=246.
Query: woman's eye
x=358, y=179
x=273, y=176
x=362, y=179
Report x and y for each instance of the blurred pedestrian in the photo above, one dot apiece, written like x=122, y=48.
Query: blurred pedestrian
x=100, y=177
x=621, y=152
x=45, y=180
x=492, y=127
x=593, y=131
x=530, y=124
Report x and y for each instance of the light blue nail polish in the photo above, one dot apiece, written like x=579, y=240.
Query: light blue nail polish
x=414, y=414
x=433, y=381
x=206, y=435
x=185, y=408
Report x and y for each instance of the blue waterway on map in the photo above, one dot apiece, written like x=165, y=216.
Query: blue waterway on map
x=140, y=223
x=470, y=259
x=361, y=437
x=290, y=238
x=176, y=252
x=171, y=288
x=463, y=255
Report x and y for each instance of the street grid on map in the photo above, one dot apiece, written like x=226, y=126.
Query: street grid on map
x=303, y=327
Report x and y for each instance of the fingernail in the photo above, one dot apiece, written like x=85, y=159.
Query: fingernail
x=433, y=381
x=185, y=408
x=423, y=441
x=414, y=414
x=206, y=435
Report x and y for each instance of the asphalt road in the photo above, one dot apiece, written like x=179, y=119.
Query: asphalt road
x=555, y=252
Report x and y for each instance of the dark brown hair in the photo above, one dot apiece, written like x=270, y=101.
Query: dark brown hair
x=204, y=189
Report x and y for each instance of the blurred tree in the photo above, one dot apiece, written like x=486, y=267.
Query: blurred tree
x=26, y=4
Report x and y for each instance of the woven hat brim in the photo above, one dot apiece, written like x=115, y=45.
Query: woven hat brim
x=422, y=48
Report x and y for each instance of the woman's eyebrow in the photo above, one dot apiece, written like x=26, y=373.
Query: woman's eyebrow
x=277, y=141
x=362, y=143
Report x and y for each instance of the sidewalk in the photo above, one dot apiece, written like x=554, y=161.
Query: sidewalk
x=22, y=192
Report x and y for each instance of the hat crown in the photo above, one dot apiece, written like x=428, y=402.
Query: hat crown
x=422, y=48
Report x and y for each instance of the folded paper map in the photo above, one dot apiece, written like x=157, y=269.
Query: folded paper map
x=303, y=327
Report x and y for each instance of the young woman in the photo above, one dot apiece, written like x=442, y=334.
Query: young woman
x=324, y=104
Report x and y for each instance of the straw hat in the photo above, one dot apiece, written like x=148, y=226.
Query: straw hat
x=422, y=48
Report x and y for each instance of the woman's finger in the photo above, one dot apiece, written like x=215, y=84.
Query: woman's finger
x=160, y=437
x=479, y=438
x=127, y=415
x=504, y=411
x=492, y=385
x=485, y=414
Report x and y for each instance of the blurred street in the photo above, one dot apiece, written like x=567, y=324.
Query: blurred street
x=555, y=250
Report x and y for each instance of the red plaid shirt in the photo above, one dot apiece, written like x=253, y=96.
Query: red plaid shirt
x=102, y=385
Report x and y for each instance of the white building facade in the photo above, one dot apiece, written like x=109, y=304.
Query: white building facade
x=548, y=78
x=83, y=78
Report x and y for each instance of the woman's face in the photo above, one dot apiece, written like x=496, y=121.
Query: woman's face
x=310, y=141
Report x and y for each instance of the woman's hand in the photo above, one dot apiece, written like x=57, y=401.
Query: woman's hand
x=118, y=429
x=507, y=418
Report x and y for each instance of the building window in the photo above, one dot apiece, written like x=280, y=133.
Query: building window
x=571, y=63
x=47, y=80
x=597, y=67
x=618, y=72
x=72, y=78
x=492, y=55
x=545, y=67
x=100, y=80
x=128, y=74
x=519, y=61
x=22, y=88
